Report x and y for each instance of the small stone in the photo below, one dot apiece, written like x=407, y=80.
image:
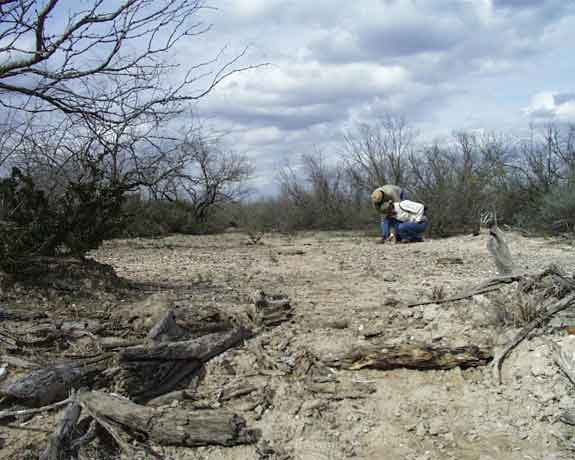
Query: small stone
x=421, y=430
x=436, y=427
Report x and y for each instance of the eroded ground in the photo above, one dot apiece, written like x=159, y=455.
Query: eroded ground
x=348, y=291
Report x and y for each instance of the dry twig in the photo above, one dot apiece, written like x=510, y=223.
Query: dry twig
x=523, y=333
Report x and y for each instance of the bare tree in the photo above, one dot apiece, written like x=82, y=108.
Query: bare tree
x=98, y=59
x=89, y=88
x=204, y=175
x=317, y=194
x=378, y=152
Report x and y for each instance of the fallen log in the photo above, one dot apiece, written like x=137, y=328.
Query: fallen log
x=45, y=386
x=202, y=348
x=175, y=427
x=411, y=356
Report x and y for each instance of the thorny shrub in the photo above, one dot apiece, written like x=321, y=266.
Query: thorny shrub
x=73, y=222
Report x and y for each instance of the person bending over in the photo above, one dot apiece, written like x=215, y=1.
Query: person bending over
x=381, y=198
x=407, y=222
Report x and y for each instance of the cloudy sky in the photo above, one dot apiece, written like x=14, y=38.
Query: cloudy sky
x=444, y=64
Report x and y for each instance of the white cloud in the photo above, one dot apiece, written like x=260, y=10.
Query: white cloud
x=444, y=64
x=552, y=106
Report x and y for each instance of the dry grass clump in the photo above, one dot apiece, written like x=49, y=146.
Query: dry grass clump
x=516, y=308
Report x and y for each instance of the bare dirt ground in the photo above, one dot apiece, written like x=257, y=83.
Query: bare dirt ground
x=348, y=291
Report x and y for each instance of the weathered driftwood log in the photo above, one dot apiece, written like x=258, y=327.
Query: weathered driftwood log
x=45, y=386
x=151, y=370
x=60, y=442
x=269, y=311
x=175, y=427
x=499, y=250
x=411, y=356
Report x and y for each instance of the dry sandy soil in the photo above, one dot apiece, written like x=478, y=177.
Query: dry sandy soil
x=348, y=291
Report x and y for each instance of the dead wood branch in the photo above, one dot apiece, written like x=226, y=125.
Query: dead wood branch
x=60, y=442
x=566, y=363
x=175, y=427
x=166, y=399
x=489, y=285
x=500, y=356
x=154, y=369
x=498, y=248
x=201, y=349
x=147, y=380
x=202, y=320
x=45, y=386
x=16, y=413
x=552, y=280
x=411, y=356
x=270, y=311
x=167, y=329
x=568, y=417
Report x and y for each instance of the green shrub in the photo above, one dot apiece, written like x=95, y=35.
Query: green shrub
x=72, y=223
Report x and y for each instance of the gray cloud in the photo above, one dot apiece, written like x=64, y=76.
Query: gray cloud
x=334, y=63
x=563, y=98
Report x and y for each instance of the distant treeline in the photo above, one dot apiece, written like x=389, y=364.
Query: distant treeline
x=529, y=183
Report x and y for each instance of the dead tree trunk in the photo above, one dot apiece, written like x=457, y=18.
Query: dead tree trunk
x=175, y=427
x=497, y=247
x=202, y=349
x=421, y=357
